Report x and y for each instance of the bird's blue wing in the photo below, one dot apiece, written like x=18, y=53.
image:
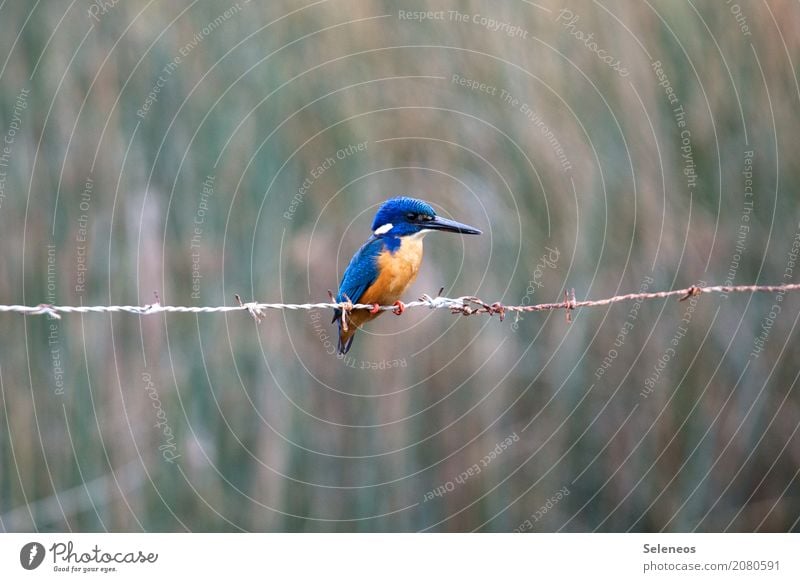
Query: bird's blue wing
x=361, y=272
x=359, y=275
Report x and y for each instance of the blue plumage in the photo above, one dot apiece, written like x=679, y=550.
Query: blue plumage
x=396, y=212
x=362, y=270
x=359, y=275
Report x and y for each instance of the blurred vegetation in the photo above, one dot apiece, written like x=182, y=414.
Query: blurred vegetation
x=216, y=423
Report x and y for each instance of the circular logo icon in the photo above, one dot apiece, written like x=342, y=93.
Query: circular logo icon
x=31, y=555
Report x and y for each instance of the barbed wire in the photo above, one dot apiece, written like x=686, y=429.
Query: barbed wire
x=465, y=305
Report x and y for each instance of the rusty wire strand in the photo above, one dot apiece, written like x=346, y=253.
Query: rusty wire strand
x=466, y=305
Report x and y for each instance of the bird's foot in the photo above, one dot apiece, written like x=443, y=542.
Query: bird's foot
x=376, y=308
x=399, y=307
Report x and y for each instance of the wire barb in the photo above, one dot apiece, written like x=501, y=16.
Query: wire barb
x=569, y=303
x=466, y=305
x=253, y=308
x=692, y=291
x=44, y=309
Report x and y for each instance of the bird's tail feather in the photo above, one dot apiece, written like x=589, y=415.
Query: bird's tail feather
x=345, y=337
x=345, y=343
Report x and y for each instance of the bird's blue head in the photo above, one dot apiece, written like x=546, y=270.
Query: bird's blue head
x=403, y=216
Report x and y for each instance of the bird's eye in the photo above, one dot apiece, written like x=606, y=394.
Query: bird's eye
x=412, y=216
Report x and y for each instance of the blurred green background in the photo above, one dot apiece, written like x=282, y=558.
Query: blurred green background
x=203, y=149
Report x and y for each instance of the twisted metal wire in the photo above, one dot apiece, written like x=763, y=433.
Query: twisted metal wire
x=465, y=305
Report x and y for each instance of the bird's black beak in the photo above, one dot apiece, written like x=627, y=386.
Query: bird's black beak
x=439, y=223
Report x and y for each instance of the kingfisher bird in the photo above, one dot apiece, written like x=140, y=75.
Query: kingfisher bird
x=384, y=267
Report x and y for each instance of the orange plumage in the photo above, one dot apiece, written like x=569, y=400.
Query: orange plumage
x=397, y=271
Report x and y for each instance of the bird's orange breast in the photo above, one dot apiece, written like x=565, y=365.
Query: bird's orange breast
x=396, y=271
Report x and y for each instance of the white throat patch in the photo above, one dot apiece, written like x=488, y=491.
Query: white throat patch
x=419, y=235
x=384, y=229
